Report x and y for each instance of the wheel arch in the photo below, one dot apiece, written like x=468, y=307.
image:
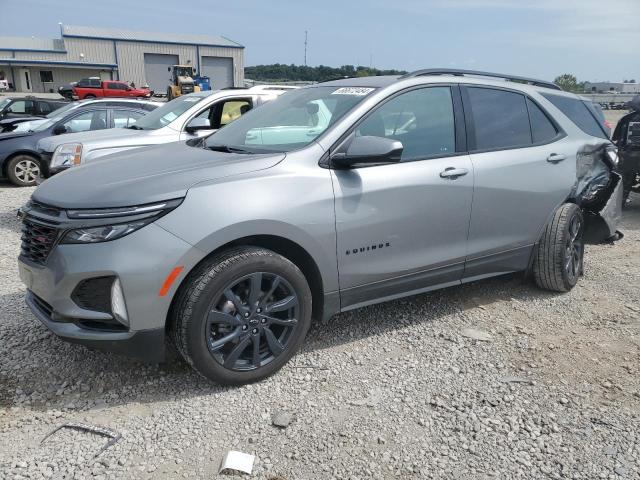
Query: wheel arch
x=289, y=249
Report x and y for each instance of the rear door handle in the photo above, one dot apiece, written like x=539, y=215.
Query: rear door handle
x=453, y=173
x=556, y=158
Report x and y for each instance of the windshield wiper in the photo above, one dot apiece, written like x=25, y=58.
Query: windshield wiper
x=135, y=127
x=227, y=149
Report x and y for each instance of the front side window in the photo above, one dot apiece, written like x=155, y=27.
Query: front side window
x=166, y=114
x=422, y=120
x=578, y=113
x=292, y=121
x=233, y=110
x=44, y=107
x=125, y=118
x=116, y=86
x=500, y=118
x=94, y=120
x=23, y=106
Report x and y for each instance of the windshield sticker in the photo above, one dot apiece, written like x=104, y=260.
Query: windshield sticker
x=357, y=91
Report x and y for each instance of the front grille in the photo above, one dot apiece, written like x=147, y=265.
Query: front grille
x=94, y=294
x=37, y=240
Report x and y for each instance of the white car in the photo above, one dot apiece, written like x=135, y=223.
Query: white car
x=189, y=116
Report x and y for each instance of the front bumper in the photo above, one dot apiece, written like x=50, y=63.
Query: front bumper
x=141, y=261
x=145, y=345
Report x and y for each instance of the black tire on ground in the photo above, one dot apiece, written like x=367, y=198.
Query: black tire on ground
x=199, y=296
x=559, y=256
x=23, y=170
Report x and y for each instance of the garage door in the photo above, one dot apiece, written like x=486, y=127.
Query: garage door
x=155, y=70
x=219, y=70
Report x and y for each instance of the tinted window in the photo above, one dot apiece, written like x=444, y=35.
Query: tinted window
x=500, y=118
x=421, y=119
x=116, y=86
x=44, y=107
x=541, y=127
x=578, y=113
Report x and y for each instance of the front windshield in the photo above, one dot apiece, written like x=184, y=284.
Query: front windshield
x=291, y=122
x=167, y=113
x=4, y=102
x=183, y=72
x=46, y=124
x=65, y=109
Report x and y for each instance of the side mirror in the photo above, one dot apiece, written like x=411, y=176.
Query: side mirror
x=168, y=69
x=59, y=129
x=198, y=124
x=368, y=151
x=129, y=89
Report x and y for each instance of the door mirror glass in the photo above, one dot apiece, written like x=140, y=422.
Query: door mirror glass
x=369, y=151
x=198, y=124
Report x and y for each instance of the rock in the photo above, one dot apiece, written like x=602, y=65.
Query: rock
x=281, y=419
x=475, y=334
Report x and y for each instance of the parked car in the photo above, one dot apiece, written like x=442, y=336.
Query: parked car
x=231, y=245
x=24, y=124
x=14, y=110
x=19, y=158
x=109, y=89
x=186, y=117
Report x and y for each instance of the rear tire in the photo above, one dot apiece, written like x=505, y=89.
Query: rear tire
x=560, y=253
x=23, y=170
x=230, y=306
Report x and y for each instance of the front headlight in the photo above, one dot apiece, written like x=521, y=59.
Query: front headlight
x=67, y=155
x=104, y=233
x=139, y=216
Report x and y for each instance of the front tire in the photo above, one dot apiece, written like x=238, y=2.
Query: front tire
x=559, y=258
x=241, y=315
x=24, y=170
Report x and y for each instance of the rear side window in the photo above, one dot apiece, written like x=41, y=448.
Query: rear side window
x=578, y=113
x=500, y=118
x=542, y=130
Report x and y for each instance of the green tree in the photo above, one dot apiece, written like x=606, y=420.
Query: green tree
x=568, y=83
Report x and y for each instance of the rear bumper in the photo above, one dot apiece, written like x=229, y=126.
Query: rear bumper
x=145, y=345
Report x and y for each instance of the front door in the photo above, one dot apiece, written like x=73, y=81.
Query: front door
x=403, y=227
x=25, y=78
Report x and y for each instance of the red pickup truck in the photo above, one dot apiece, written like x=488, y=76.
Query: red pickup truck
x=108, y=89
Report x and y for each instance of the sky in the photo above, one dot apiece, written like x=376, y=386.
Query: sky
x=595, y=40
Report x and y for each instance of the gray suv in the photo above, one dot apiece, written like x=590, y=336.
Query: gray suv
x=330, y=198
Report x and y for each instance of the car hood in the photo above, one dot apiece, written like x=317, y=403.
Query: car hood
x=11, y=135
x=108, y=135
x=145, y=175
x=11, y=121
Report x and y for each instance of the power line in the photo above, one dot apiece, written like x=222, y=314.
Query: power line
x=306, y=38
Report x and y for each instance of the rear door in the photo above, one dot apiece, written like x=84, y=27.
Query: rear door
x=524, y=168
x=403, y=227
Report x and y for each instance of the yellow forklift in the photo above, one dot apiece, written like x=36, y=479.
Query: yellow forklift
x=182, y=81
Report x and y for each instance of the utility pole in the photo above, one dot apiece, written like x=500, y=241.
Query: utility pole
x=306, y=38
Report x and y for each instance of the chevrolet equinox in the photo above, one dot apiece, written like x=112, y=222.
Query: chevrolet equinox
x=332, y=197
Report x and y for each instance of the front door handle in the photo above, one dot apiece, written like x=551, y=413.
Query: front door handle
x=556, y=158
x=453, y=173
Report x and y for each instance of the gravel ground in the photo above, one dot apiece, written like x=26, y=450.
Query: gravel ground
x=398, y=390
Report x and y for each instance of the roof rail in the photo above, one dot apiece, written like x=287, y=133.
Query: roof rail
x=457, y=72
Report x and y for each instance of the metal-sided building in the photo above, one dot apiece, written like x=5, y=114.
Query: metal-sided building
x=42, y=65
